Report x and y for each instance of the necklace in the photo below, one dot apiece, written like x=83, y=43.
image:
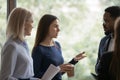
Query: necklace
x=47, y=44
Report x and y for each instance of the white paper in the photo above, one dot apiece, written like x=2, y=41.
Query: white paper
x=50, y=72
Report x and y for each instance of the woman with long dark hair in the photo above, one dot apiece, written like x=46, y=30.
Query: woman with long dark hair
x=47, y=51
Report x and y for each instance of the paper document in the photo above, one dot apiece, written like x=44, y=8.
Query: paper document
x=50, y=72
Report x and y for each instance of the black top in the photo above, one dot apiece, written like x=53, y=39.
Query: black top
x=103, y=68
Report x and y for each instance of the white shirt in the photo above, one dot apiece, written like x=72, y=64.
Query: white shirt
x=111, y=44
x=16, y=62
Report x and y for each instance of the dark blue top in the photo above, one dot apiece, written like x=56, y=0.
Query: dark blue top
x=43, y=56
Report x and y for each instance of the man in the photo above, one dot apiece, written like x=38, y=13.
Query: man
x=106, y=43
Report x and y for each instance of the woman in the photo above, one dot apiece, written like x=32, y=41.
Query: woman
x=46, y=51
x=16, y=62
x=110, y=61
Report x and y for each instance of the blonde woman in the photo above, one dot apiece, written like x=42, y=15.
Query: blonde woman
x=16, y=62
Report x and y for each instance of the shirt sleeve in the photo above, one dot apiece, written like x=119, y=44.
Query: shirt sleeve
x=8, y=62
x=37, y=62
x=34, y=78
x=100, y=51
x=73, y=62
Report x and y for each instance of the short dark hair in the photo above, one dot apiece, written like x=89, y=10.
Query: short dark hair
x=114, y=11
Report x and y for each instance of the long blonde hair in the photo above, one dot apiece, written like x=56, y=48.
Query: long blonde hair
x=16, y=21
x=115, y=63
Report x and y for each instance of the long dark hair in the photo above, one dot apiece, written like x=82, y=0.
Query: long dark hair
x=115, y=63
x=43, y=28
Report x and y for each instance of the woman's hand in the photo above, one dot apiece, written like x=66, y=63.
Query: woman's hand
x=79, y=56
x=66, y=67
